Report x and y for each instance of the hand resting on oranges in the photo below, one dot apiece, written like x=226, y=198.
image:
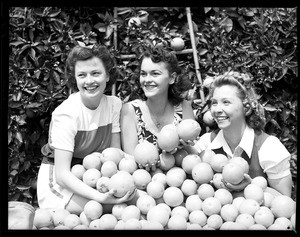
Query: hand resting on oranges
x=237, y=187
x=110, y=198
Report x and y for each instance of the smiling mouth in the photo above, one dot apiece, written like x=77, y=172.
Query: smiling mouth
x=221, y=118
x=91, y=89
x=149, y=87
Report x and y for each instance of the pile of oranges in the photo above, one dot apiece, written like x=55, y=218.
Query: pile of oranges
x=184, y=193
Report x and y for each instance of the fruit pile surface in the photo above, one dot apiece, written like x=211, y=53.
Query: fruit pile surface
x=184, y=193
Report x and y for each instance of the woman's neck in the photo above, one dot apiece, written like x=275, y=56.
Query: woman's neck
x=234, y=136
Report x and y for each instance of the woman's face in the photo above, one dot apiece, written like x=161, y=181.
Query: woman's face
x=154, y=78
x=91, y=79
x=227, y=108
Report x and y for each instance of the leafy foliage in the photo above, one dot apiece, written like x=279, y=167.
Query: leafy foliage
x=259, y=41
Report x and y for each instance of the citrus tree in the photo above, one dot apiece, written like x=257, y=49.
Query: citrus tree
x=259, y=41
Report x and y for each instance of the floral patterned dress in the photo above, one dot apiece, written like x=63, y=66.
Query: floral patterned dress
x=144, y=133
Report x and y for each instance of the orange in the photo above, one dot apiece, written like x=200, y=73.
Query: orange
x=165, y=206
x=177, y=43
x=134, y=21
x=59, y=216
x=211, y=205
x=120, y=225
x=167, y=161
x=173, y=196
x=189, y=187
x=93, y=209
x=90, y=177
x=117, y=210
x=217, y=180
x=84, y=219
x=224, y=196
x=78, y=170
x=167, y=138
x=132, y=224
x=180, y=210
x=264, y=216
x=283, y=221
x=81, y=227
x=205, y=190
x=206, y=155
x=268, y=197
x=193, y=226
x=121, y=182
x=253, y=191
x=193, y=202
x=102, y=184
x=188, y=129
x=155, y=189
x=105, y=222
x=260, y=181
x=109, y=168
x=229, y=212
x=92, y=161
x=179, y=155
x=249, y=206
x=72, y=220
x=293, y=220
x=283, y=206
x=245, y=219
x=276, y=227
x=207, y=117
x=128, y=164
x=141, y=178
x=241, y=161
x=177, y=222
x=233, y=173
x=146, y=153
x=257, y=227
x=42, y=218
x=160, y=177
x=202, y=173
x=218, y=161
x=131, y=211
x=175, y=176
x=151, y=225
x=159, y=214
x=198, y=217
x=138, y=193
x=214, y=221
x=145, y=202
x=189, y=162
x=112, y=153
x=237, y=201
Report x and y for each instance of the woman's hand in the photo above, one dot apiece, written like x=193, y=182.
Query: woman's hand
x=150, y=167
x=237, y=187
x=109, y=197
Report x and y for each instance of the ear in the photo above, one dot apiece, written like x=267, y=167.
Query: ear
x=248, y=109
x=172, y=78
x=107, y=79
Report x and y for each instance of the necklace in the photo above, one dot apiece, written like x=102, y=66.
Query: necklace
x=156, y=122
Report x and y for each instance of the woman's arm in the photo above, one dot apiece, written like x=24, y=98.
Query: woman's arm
x=187, y=110
x=116, y=140
x=283, y=185
x=129, y=139
x=66, y=179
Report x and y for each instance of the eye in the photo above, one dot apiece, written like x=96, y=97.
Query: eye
x=155, y=74
x=143, y=74
x=81, y=75
x=95, y=74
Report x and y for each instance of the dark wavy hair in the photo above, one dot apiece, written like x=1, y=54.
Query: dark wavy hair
x=256, y=118
x=79, y=53
x=182, y=83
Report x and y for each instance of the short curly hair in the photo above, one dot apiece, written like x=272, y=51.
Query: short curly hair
x=256, y=118
x=79, y=53
x=182, y=84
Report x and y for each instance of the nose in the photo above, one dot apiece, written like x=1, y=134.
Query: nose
x=89, y=78
x=216, y=108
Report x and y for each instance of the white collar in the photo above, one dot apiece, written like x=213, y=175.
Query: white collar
x=246, y=142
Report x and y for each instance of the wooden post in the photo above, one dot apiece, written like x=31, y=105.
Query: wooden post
x=114, y=89
x=195, y=55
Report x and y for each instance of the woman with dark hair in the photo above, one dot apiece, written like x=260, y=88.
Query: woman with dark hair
x=163, y=100
x=86, y=122
x=241, y=121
